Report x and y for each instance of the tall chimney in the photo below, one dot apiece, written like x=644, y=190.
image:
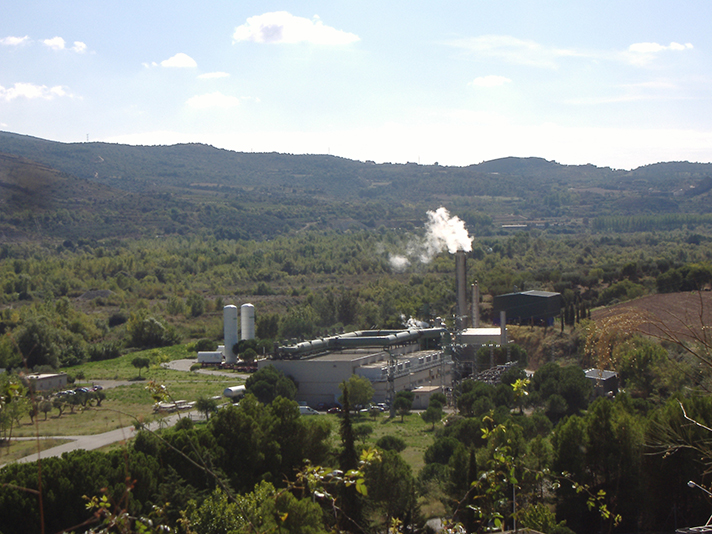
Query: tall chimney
x=503, y=328
x=475, y=305
x=461, y=282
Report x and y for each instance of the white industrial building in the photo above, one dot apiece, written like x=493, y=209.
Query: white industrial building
x=46, y=381
x=392, y=361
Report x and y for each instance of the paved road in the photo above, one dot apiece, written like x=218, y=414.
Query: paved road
x=97, y=441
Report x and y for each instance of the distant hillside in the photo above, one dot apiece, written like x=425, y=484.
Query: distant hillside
x=234, y=194
x=37, y=202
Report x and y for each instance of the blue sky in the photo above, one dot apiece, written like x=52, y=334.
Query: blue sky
x=613, y=83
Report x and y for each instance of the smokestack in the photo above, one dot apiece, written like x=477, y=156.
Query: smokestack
x=461, y=282
x=475, y=305
x=230, y=332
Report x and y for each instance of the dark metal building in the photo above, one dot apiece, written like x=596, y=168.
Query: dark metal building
x=528, y=306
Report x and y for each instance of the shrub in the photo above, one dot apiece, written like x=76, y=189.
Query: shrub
x=147, y=331
x=104, y=351
x=391, y=443
x=116, y=319
x=204, y=344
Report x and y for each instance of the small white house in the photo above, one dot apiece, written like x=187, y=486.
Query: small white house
x=46, y=381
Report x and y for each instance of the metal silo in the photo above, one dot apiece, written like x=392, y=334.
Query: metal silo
x=230, y=332
x=247, y=316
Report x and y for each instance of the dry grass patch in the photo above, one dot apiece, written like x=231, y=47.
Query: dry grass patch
x=19, y=449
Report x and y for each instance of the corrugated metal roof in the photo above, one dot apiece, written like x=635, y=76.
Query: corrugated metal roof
x=600, y=374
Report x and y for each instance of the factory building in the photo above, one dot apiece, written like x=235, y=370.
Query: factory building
x=392, y=361
x=529, y=307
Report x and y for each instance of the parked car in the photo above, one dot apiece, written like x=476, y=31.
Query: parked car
x=307, y=410
x=335, y=409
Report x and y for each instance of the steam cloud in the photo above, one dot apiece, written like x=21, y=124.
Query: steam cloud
x=442, y=232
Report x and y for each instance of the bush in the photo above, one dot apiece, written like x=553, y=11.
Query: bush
x=441, y=451
x=391, y=443
x=361, y=432
x=147, y=331
x=104, y=351
x=116, y=319
x=184, y=423
x=205, y=345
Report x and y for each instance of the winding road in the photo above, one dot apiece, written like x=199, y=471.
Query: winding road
x=96, y=441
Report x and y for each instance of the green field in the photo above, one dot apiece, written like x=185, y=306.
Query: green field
x=19, y=449
x=127, y=403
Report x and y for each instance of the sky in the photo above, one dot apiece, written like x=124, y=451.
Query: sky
x=618, y=84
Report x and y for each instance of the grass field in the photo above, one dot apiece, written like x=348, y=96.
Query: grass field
x=417, y=434
x=20, y=449
x=131, y=401
x=121, y=369
x=126, y=403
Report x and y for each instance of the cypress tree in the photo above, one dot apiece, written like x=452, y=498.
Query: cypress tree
x=350, y=518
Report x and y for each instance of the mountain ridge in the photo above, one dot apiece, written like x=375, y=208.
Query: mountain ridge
x=133, y=167
x=105, y=189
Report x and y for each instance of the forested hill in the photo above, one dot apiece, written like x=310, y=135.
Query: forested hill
x=196, y=166
x=99, y=190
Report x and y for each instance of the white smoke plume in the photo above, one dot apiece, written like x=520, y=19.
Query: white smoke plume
x=398, y=262
x=442, y=232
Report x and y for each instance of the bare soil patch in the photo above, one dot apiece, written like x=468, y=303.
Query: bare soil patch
x=687, y=316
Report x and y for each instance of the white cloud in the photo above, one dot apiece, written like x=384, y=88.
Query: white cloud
x=489, y=81
x=213, y=100
x=283, y=27
x=180, y=60
x=633, y=92
x=212, y=75
x=31, y=91
x=55, y=43
x=648, y=48
x=642, y=54
x=513, y=50
x=14, y=41
x=524, y=52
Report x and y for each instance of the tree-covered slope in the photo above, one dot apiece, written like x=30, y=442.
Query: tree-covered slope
x=202, y=166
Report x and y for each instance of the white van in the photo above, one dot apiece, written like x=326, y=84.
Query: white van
x=306, y=410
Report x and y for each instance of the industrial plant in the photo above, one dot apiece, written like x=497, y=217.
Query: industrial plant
x=422, y=358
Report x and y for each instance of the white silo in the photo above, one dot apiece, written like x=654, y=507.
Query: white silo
x=247, y=317
x=230, y=332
